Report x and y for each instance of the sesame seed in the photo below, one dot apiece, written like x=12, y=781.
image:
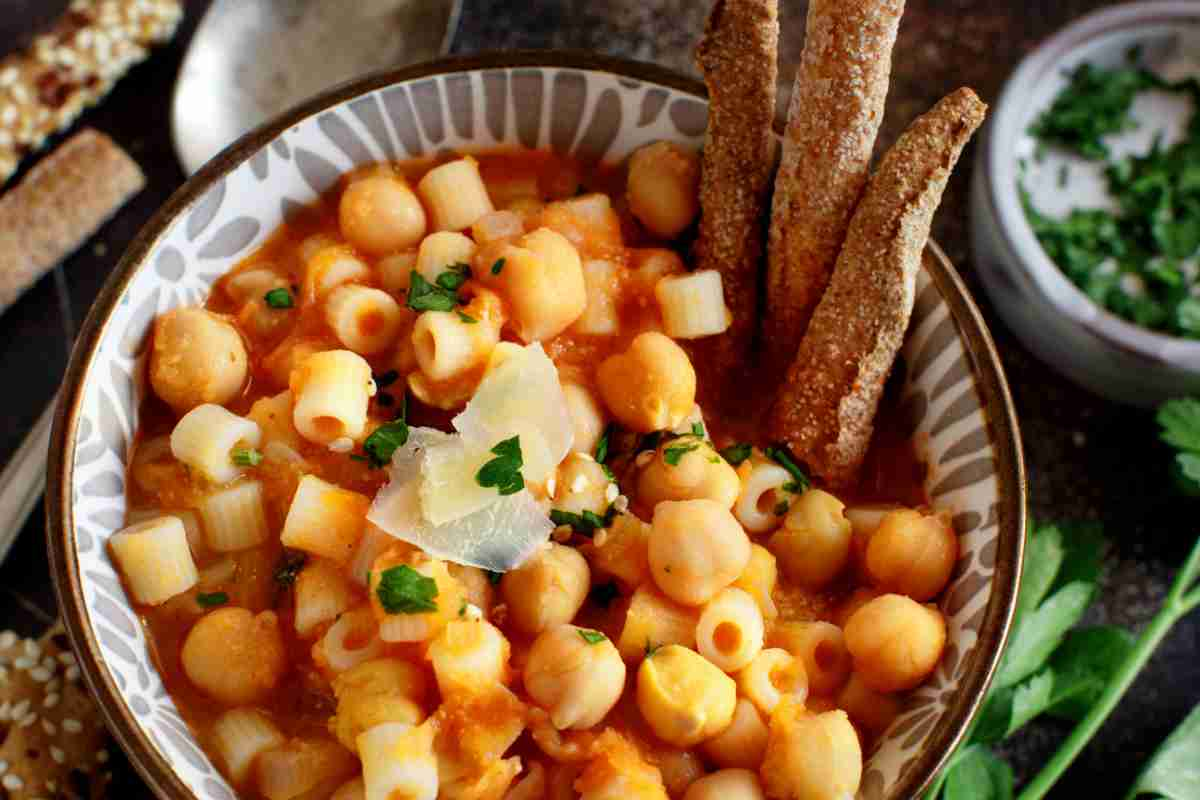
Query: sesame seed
x=57, y=754
x=7, y=638
x=33, y=649
x=29, y=721
x=49, y=727
x=3, y=766
x=72, y=673
x=19, y=710
x=5, y=710
x=13, y=783
x=72, y=725
x=66, y=658
x=51, y=700
x=40, y=674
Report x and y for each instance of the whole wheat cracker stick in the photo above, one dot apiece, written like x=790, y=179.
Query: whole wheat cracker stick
x=58, y=204
x=737, y=56
x=825, y=410
x=834, y=115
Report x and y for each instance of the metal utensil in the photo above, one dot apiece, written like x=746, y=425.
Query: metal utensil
x=248, y=61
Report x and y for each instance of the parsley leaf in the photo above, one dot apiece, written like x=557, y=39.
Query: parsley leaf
x=592, y=637
x=212, y=599
x=698, y=429
x=735, y=454
x=601, y=452
x=780, y=455
x=279, y=298
x=979, y=775
x=499, y=265
x=425, y=296
x=384, y=441
x=586, y=522
x=1180, y=421
x=503, y=471
x=675, y=452
x=246, y=457
x=403, y=590
x=467, y=318
x=1094, y=104
x=454, y=277
x=289, y=566
x=1171, y=772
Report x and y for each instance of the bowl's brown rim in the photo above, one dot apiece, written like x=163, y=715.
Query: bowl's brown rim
x=991, y=383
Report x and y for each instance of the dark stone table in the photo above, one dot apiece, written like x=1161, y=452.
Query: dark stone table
x=1087, y=458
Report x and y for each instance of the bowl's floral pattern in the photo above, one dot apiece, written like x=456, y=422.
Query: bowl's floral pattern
x=587, y=111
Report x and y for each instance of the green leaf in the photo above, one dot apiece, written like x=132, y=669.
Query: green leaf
x=586, y=522
x=504, y=471
x=1044, y=554
x=601, y=453
x=1030, y=698
x=1180, y=421
x=425, y=296
x=454, y=277
x=1083, y=665
x=212, y=599
x=246, y=457
x=384, y=441
x=279, y=298
x=674, y=453
x=783, y=457
x=735, y=454
x=992, y=724
x=1084, y=545
x=289, y=566
x=467, y=318
x=498, y=266
x=592, y=637
x=1185, y=472
x=1173, y=772
x=979, y=775
x=403, y=590
x=698, y=429
x=1040, y=632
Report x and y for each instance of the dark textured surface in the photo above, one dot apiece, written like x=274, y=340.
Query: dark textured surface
x=1087, y=458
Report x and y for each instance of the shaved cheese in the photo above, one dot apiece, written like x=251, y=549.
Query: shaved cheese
x=521, y=396
x=449, y=489
x=497, y=537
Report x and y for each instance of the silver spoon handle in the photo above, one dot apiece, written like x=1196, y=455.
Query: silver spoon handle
x=24, y=479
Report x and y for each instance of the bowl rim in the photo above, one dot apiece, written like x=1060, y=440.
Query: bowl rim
x=992, y=388
x=1003, y=201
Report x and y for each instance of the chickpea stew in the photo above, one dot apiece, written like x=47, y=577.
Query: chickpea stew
x=435, y=498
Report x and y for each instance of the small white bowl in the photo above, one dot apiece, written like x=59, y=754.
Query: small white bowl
x=1050, y=315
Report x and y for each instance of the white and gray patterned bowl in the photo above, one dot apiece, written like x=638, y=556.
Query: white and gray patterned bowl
x=955, y=397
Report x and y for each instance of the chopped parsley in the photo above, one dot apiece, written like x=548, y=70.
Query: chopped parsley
x=603, y=594
x=212, y=599
x=735, y=454
x=384, y=441
x=504, y=471
x=246, y=457
x=592, y=637
x=1095, y=104
x=426, y=296
x=279, y=298
x=780, y=455
x=586, y=522
x=403, y=590
x=467, y=318
x=651, y=649
x=499, y=265
x=601, y=451
x=289, y=567
x=454, y=277
x=698, y=429
x=462, y=609
x=675, y=452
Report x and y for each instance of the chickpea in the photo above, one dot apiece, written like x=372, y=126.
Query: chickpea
x=649, y=387
x=469, y=655
x=913, y=554
x=380, y=214
x=813, y=546
x=688, y=468
x=547, y=590
x=541, y=277
x=759, y=579
x=895, y=641
x=696, y=549
x=853, y=602
x=821, y=647
x=582, y=485
x=234, y=656
x=662, y=188
x=871, y=711
x=353, y=789
x=377, y=691
x=587, y=417
x=198, y=357
x=302, y=767
x=576, y=674
x=616, y=770
x=743, y=743
x=730, y=630
x=683, y=697
x=775, y=675
x=476, y=587
x=726, y=784
x=811, y=756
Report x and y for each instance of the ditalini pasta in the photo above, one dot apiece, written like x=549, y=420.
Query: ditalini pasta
x=438, y=499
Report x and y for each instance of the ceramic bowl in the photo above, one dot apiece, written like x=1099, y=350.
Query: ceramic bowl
x=955, y=397
x=1053, y=317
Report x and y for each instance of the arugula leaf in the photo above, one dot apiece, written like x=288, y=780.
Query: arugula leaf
x=384, y=441
x=1035, y=637
x=979, y=775
x=1180, y=421
x=592, y=637
x=1172, y=771
x=735, y=454
x=246, y=457
x=279, y=298
x=800, y=482
x=1083, y=665
x=675, y=452
x=425, y=296
x=503, y=471
x=586, y=522
x=212, y=599
x=403, y=590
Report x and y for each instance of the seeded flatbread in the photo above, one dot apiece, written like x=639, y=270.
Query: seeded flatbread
x=45, y=86
x=826, y=407
x=53, y=742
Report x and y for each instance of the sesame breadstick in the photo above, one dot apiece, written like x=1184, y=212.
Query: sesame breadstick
x=737, y=56
x=59, y=204
x=825, y=409
x=56, y=740
x=835, y=111
x=45, y=86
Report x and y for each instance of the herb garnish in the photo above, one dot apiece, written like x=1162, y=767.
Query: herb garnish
x=279, y=298
x=651, y=649
x=592, y=637
x=212, y=599
x=800, y=482
x=675, y=452
x=698, y=429
x=601, y=452
x=467, y=318
x=454, y=276
x=426, y=296
x=503, y=471
x=290, y=564
x=586, y=522
x=403, y=590
x=499, y=265
x=384, y=441
x=735, y=454
x=246, y=457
